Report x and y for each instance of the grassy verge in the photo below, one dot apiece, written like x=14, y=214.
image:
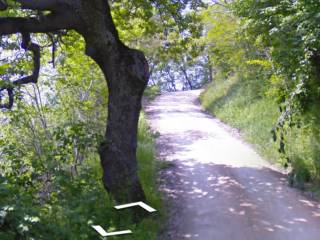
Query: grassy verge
x=237, y=103
x=254, y=117
x=151, y=92
x=148, y=229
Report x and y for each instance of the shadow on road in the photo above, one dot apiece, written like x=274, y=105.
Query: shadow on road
x=216, y=186
x=225, y=201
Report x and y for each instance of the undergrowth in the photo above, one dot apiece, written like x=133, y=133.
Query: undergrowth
x=77, y=203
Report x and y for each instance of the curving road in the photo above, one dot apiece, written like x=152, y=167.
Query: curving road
x=216, y=186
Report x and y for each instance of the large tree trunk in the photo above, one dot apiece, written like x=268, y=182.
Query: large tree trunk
x=118, y=152
x=127, y=73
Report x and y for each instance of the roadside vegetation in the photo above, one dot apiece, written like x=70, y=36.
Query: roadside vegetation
x=266, y=81
x=62, y=200
x=152, y=92
x=50, y=173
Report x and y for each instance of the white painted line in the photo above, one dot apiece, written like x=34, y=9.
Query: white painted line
x=140, y=204
x=103, y=233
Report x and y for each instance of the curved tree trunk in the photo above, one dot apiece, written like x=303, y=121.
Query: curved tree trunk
x=127, y=73
x=118, y=152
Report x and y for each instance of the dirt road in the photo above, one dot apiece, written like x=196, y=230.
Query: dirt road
x=216, y=186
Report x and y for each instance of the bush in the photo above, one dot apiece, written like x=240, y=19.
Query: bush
x=74, y=203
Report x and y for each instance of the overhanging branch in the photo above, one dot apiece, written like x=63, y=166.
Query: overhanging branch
x=61, y=17
x=28, y=45
x=49, y=23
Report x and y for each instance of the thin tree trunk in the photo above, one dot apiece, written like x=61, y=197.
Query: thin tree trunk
x=187, y=78
x=210, y=69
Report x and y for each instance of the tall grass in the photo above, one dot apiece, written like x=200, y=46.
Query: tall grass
x=254, y=117
x=148, y=175
x=235, y=102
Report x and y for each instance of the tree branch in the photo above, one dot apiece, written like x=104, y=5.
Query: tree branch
x=48, y=23
x=28, y=45
x=9, y=104
x=61, y=17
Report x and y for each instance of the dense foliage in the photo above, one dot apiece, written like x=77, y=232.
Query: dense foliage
x=168, y=33
x=50, y=181
x=269, y=52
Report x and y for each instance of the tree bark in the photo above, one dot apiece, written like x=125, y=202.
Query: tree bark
x=127, y=74
x=118, y=152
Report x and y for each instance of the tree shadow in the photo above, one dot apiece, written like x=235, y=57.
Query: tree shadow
x=217, y=187
x=235, y=203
